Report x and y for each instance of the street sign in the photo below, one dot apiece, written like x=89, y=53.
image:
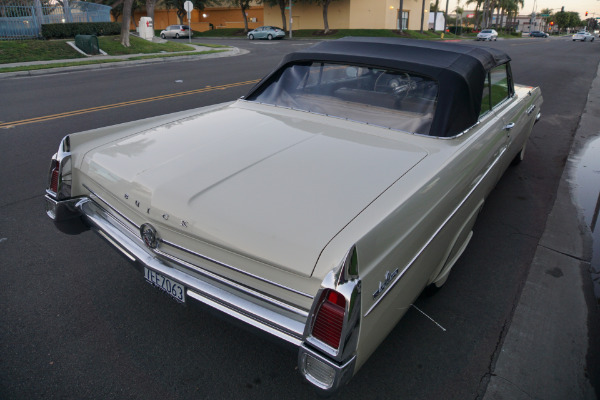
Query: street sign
x=189, y=6
x=544, y=15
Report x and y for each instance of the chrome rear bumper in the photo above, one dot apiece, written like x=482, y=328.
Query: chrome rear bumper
x=285, y=321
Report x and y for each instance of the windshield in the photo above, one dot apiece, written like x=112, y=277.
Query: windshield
x=486, y=31
x=389, y=98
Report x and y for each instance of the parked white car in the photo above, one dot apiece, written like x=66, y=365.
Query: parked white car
x=583, y=36
x=319, y=206
x=487, y=34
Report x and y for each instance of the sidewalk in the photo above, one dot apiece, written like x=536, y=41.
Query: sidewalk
x=119, y=61
x=554, y=332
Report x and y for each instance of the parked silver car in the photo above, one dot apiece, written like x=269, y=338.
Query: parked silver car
x=266, y=32
x=176, y=31
x=487, y=34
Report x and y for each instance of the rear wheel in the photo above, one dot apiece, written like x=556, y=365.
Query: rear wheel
x=270, y=37
x=177, y=36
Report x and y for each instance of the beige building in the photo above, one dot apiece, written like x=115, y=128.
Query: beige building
x=342, y=14
x=353, y=14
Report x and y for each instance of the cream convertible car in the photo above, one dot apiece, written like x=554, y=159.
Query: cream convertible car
x=318, y=207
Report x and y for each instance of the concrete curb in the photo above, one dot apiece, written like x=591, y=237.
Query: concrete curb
x=543, y=355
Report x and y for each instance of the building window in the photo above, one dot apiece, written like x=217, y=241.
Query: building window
x=404, y=20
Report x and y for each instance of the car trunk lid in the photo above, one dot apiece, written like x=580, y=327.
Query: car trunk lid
x=275, y=189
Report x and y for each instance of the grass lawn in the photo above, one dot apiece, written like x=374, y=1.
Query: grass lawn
x=112, y=46
x=14, y=51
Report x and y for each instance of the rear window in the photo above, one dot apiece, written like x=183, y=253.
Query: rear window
x=390, y=98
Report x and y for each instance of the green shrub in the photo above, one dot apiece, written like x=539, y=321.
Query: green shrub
x=460, y=30
x=70, y=30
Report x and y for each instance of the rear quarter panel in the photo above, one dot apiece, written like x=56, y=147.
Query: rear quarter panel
x=427, y=215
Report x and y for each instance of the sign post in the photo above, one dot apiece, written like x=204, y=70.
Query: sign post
x=291, y=19
x=189, y=6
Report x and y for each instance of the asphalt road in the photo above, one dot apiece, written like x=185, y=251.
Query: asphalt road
x=78, y=322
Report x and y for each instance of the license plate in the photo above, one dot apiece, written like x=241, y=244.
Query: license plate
x=165, y=284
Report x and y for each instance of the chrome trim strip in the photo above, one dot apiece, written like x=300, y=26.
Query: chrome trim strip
x=206, y=258
x=235, y=269
x=94, y=194
x=412, y=261
x=294, y=338
x=286, y=324
x=233, y=284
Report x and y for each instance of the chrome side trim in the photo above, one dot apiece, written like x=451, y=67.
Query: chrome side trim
x=238, y=270
x=195, y=254
x=412, y=261
x=97, y=196
x=233, y=284
x=275, y=317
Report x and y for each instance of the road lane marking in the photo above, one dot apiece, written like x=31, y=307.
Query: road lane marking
x=12, y=124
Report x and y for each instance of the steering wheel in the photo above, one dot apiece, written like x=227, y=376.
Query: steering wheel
x=398, y=84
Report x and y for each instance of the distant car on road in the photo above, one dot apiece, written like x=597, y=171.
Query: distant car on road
x=538, y=34
x=584, y=36
x=176, y=31
x=487, y=34
x=266, y=32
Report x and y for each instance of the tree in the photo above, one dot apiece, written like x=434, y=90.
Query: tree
x=459, y=12
x=422, y=15
x=477, y=19
x=125, y=23
x=244, y=5
x=282, y=4
x=567, y=19
x=198, y=4
x=150, y=4
x=435, y=9
x=325, y=4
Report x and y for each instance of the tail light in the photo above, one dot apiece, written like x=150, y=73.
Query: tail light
x=54, y=174
x=329, y=319
x=59, y=175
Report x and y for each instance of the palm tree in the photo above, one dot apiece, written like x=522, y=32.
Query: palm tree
x=435, y=10
x=459, y=12
x=478, y=3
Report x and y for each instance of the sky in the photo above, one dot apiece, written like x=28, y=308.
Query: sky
x=580, y=6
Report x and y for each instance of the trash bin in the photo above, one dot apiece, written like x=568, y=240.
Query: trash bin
x=88, y=44
x=146, y=28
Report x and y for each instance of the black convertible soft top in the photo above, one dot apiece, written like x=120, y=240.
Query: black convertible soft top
x=460, y=70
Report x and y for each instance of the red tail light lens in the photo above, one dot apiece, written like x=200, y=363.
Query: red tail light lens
x=329, y=319
x=54, y=176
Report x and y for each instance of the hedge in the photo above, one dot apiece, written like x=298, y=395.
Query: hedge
x=459, y=30
x=70, y=30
